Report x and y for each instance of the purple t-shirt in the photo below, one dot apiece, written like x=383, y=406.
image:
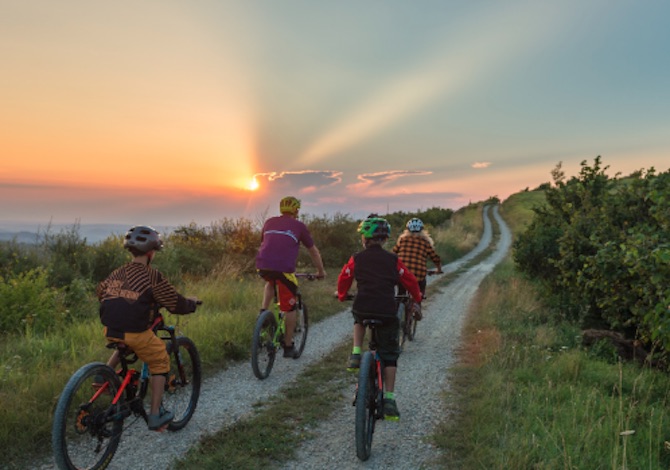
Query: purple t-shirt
x=280, y=243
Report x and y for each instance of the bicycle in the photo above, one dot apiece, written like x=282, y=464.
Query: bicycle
x=407, y=321
x=369, y=398
x=269, y=333
x=90, y=413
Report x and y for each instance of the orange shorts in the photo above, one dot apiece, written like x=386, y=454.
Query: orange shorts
x=286, y=285
x=149, y=348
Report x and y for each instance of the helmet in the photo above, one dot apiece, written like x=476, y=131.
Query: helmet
x=374, y=227
x=143, y=239
x=415, y=225
x=289, y=205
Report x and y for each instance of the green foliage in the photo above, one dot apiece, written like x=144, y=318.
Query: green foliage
x=601, y=246
x=28, y=304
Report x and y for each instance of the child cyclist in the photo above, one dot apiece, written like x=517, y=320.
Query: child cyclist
x=414, y=247
x=377, y=272
x=128, y=299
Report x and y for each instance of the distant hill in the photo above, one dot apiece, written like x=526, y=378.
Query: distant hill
x=22, y=232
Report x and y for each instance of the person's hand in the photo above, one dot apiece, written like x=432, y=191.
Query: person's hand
x=321, y=274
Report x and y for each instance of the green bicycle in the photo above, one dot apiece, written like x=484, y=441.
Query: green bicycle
x=269, y=333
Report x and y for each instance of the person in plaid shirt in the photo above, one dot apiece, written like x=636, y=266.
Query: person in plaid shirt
x=414, y=247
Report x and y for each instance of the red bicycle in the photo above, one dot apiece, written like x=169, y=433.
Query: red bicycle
x=90, y=414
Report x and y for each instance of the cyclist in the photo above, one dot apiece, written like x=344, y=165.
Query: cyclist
x=129, y=297
x=281, y=237
x=414, y=247
x=377, y=272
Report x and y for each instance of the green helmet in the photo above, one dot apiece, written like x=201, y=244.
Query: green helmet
x=374, y=228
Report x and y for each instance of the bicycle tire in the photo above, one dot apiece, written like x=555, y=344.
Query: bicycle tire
x=412, y=329
x=84, y=435
x=263, y=346
x=182, y=387
x=366, y=404
x=402, y=322
x=300, y=332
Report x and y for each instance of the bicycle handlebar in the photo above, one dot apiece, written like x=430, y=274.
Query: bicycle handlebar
x=308, y=276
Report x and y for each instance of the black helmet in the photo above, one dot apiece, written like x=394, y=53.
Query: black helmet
x=143, y=239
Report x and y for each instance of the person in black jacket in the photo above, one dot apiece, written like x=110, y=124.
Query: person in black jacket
x=377, y=272
x=128, y=299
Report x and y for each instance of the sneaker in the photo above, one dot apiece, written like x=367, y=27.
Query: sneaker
x=289, y=351
x=354, y=363
x=163, y=418
x=391, y=412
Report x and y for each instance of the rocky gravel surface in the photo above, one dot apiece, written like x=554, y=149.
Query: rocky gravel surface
x=229, y=396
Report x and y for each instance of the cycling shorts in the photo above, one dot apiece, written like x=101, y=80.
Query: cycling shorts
x=148, y=347
x=286, y=285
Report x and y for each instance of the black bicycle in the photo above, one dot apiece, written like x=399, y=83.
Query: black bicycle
x=89, y=417
x=269, y=331
x=369, y=394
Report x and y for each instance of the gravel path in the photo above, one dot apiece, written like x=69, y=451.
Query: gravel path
x=229, y=395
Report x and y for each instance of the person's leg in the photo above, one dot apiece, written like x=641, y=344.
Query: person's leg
x=268, y=294
x=355, y=358
x=290, y=318
x=389, y=379
x=157, y=389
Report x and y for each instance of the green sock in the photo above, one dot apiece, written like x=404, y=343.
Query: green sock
x=356, y=350
x=389, y=395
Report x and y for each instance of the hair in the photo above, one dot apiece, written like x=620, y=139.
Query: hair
x=422, y=234
x=375, y=241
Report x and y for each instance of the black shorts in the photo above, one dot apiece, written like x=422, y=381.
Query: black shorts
x=386, y=335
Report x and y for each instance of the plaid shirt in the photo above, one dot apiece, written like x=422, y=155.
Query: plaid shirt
x=414, y=251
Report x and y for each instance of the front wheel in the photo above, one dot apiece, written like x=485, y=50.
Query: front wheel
x=301, y=327
x=366, y=404
x=182, y=387
x=263, y=346
x=86, y=426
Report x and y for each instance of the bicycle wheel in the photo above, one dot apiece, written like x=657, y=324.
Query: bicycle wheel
x=263, y=346
x=182, y=388
x=365, y=406
x=402, y=322
x=300, y=334
x=412, y=328
x=86, y=426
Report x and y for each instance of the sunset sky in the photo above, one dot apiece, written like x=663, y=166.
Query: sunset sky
x=165, y=112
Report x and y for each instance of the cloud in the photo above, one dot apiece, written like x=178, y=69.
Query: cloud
x=370, y=181
x=480, y=165
x=304, y=181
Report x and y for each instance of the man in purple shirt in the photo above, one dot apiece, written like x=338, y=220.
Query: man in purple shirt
x=280, y=243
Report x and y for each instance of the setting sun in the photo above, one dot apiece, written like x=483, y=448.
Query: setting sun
x=253, y=185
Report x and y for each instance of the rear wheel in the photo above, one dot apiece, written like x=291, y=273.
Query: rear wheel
x=86, y=426
x=402, y=322
x=263, y=347
x=301, y=327
x=365, y=406
x=182, y=388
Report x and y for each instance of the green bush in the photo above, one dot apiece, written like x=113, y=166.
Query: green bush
x=28, y=304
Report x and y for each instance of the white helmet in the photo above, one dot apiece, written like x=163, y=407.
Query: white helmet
x=415, y=225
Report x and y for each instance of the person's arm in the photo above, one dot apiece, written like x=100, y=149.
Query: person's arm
x=409, y=282
x=436, y=259
x=345, y=280
x=316, y=259
x=167, y=296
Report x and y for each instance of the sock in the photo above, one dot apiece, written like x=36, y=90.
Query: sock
x=356, y=350
x=389, y=395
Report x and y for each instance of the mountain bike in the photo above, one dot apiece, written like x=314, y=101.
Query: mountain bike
x=90, y=413
x=406, y=307
x=369, y=394
x=269, y=332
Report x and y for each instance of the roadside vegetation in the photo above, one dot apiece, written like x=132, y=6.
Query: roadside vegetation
x=527, y=391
